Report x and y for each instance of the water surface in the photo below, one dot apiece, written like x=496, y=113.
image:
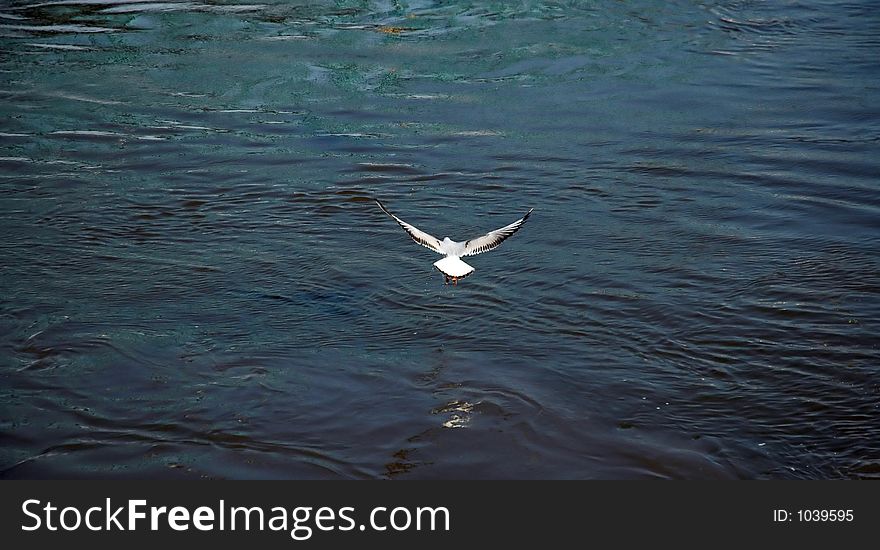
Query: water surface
x=195, y=281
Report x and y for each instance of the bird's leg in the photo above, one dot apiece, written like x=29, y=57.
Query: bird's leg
x=455, y=281
x=447, y=280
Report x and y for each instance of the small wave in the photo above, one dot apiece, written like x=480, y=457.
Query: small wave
x=60, y=29
x=61, y=47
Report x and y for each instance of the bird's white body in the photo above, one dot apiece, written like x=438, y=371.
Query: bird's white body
x=452, y=265
x=452, y=248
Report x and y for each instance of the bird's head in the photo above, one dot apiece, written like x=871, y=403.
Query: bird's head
x=447, y=240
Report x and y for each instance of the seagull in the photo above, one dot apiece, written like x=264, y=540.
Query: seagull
x=451, y=265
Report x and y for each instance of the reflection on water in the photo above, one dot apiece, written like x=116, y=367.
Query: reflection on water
x=196, y=282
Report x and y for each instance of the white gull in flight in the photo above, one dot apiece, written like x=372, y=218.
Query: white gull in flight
x=451, y=265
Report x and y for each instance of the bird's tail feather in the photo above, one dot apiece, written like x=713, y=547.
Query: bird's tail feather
x=453, y=267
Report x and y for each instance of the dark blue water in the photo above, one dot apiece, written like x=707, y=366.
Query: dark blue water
x=195, y=282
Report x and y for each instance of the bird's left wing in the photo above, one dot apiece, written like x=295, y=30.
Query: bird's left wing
x=493, y=238
x=419, y=236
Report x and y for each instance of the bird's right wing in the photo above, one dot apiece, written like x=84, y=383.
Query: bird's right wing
x=417, y=234
x=493, y=239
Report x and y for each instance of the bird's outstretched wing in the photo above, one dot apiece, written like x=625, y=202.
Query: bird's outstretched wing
x=419, y=236
x=493, y=238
